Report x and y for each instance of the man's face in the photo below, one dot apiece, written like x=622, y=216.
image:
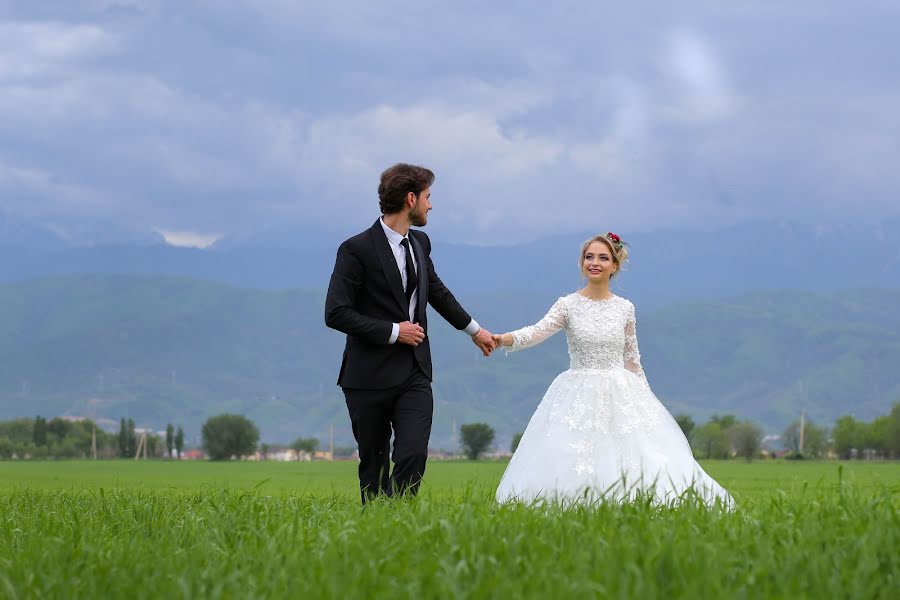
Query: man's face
x=418, y=214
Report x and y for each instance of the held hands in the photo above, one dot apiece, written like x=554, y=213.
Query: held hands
x=502, y=339
x=411, y=334
x=484, y=339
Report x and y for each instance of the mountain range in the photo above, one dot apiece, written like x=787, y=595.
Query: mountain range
x=165, y=349
x=665, y=267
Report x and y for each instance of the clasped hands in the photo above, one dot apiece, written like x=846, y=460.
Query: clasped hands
x=412, y=334
x=487, y=342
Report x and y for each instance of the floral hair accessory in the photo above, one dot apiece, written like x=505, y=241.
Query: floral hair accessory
x=616, y=240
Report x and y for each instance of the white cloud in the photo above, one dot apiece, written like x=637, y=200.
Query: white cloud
x=189, y=239
x=29, y=50
x=240, y=116
x=35, y=192
x=700, y=91
x=318, y=148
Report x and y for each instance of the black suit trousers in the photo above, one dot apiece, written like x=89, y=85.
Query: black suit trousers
x=407, y=410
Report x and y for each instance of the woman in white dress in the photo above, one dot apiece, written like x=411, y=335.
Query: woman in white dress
x=600, y=432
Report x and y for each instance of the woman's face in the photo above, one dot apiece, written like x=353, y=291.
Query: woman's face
x=598, y=263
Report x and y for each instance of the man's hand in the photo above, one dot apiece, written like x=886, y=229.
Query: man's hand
x=411, y=334
x=484, y=339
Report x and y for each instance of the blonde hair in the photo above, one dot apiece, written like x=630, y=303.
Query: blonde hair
x=619, y=251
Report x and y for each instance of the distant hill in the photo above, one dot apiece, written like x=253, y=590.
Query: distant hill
x=160, y=349
x=666, y=267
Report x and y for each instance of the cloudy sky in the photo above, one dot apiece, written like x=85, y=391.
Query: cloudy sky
x=236, y=117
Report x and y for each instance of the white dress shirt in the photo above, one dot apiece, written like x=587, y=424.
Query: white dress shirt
x=399, y=251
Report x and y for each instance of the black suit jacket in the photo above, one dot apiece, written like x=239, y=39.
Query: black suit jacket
x=365, y=298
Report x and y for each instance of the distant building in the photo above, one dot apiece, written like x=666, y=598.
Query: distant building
x=284, y=455
x=288, y=455
x=497, y=455
x=439, y=455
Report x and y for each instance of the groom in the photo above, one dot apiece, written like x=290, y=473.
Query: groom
x=382, y=280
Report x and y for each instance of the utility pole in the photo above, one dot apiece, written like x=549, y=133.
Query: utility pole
x=331, y=443
x=142, y=445
x=802, y=428
x=94, y=443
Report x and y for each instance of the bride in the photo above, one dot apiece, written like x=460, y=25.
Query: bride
x=599, y=431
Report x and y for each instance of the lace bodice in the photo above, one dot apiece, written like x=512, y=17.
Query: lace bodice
x=601, y=334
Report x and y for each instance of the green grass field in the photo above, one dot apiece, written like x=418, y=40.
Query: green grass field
x=258, y=530
x=744, y=480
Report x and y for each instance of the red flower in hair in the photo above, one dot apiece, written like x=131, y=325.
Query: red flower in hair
x=616, y=240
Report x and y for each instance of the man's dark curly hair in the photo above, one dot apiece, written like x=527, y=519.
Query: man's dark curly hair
x=397, y=182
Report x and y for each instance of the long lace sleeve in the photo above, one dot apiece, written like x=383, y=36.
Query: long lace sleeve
x=553, y=321
x=632, y=355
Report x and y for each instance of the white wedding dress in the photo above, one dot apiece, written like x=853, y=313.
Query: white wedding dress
x=600, y=432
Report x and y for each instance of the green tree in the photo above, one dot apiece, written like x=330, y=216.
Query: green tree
x=877, y=435
x=303, y=444
x=515, y=442
x=746, y=439
x=79, y=434
x=64, y=448
x=227, y=435
x=130, y=439
x=710, y=441
x=723, y=421
x=39, y=436
x=153, y=444
x=170, y=439
x=687, y=425
x=179, y=441
x=7, y=447
x=893, y=433
x=58, y=429
x=848, y=436
x=476, y=438
x=815, y=439
x=19, y=431
x=123, y=438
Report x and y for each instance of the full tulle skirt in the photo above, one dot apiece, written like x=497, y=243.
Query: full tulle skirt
x=602, y=435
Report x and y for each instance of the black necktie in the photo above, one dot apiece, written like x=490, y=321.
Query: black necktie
x=410, y=270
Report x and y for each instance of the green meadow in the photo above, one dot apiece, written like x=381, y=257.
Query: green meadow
x=126, y=529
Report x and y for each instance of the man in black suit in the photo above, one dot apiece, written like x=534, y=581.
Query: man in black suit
x=382, y=280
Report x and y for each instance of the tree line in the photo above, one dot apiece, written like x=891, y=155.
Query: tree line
x=224, y=436
x=229, y=436
x=58, y=437
x=723, y=436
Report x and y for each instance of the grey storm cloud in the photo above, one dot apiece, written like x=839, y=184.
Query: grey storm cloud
x=538, y=118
